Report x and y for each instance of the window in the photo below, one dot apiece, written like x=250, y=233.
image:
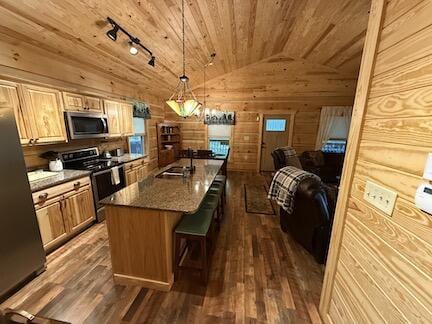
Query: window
x=137, y=142
x=219, y=146
x=334, y=146
x=275, y=125
x=219, y=137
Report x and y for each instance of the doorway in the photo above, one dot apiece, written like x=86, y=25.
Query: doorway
x=276, y=132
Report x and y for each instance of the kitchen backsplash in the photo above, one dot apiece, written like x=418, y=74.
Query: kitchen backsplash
x=34, y=161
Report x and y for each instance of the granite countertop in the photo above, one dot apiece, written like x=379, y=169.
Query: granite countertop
x=128, y=157
x=61, y=177
x=173, y=194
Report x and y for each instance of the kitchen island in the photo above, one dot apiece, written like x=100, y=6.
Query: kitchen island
x=141, y=218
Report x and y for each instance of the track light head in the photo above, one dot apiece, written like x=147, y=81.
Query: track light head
x=152, y=61
x=112, y=33
x=132, y=48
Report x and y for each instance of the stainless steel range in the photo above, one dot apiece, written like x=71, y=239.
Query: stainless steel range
x=107, y=176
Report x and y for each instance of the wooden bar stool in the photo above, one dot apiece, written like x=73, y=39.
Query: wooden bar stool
x=194, y=227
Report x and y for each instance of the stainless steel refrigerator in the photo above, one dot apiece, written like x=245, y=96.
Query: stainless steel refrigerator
x=21, y=251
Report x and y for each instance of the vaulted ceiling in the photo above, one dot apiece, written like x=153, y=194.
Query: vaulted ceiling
x=260, y=44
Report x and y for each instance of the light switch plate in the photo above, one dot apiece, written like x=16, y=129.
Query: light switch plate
x=380, y=197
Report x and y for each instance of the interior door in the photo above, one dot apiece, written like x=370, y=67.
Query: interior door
x=275, y=134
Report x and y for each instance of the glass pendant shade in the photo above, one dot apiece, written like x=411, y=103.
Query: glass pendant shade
x=184, y=108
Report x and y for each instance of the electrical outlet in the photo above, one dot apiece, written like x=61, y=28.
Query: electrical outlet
x=382, y=198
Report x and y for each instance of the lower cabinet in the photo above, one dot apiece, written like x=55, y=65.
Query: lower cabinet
x=51, y=223
x=63, y=210
x=135, y=171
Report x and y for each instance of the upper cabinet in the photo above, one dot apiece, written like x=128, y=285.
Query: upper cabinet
x=44, y=109
x=78, y=102
x=9, y=99
x=120, y=118
x=127, y=119
x=113, y=110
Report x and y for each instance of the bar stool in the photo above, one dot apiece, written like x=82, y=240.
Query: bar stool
x=194, y=227
x=214, y=200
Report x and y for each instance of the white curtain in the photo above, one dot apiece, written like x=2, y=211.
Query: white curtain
x=329, y=117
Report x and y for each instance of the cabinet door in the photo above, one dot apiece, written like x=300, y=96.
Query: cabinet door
x=79, y=208
x=131, y=176
x=45, y=110
x=51, y=223
x=127, y=120
x=73, y=101
x=113, y=110
x=9, y=99
x=93, y=104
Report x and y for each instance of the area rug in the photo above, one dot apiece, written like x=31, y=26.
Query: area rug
x=256, y=200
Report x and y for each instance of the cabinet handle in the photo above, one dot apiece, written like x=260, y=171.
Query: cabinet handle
x=35, y=140
x=43, y=196
x=77, y=184
x=31, y=141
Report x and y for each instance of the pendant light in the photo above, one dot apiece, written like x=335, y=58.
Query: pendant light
x=200, y=113
x=183, y=100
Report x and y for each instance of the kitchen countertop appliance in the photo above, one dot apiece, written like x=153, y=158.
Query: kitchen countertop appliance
x=107, y=176
x=21, y=250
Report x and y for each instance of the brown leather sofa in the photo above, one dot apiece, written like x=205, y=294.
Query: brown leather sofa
x=328, y=166
x=311, y=221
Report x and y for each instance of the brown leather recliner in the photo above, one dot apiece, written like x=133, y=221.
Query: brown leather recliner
x=311, y=221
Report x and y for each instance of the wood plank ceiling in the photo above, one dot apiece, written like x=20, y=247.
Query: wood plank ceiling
x=322, y=35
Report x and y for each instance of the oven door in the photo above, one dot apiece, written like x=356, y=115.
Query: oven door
x=87, y=125
x=103, y=187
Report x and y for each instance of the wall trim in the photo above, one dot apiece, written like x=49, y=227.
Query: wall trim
x=362, y=93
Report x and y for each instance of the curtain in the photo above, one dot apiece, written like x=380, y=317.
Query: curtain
x=328, y=119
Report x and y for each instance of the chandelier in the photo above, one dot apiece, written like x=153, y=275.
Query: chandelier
x=183, y=100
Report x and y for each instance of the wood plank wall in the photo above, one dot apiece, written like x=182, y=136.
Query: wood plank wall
x=17, y=62
x=245, y=133
x=384, y=269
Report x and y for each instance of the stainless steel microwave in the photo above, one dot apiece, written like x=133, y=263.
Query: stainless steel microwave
x=87, y=125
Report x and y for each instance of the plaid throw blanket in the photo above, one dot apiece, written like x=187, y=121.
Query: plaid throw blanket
x=288, y=151
x=284, y=186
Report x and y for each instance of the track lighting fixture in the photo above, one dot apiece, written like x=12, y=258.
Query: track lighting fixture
x=112, y=33
x=133, y=41
x=132, y=49
x=152, y=61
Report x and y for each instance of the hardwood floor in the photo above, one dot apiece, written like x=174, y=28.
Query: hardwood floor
x=258, y=275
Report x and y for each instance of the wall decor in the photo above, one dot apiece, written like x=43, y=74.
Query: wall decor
x=219, y=118
x=142, y=110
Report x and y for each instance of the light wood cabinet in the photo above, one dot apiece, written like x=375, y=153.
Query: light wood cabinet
x=79, y=102
x=136, y=171
x=120, y=118
x=127, y=120
x=79, y=208
x=9, y=99
x=113, y=110
x=64, y=210
x=44, y=110
x=51, y=223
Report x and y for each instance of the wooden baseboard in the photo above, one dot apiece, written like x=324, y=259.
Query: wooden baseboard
x=147, y=283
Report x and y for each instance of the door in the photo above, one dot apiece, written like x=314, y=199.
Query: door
x=79, y=208
x=275, y=133
x=93, y=104
x=131, y=176
x=73, y=101
x=51, y=223
x=45, y=110
x=113, y=110
x=9, y=99
x=127, y=120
